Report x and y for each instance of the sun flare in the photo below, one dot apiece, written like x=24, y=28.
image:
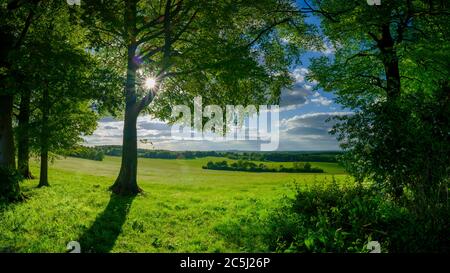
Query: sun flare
x=150, y=83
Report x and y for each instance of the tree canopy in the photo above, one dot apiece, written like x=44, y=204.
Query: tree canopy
x=391, y=67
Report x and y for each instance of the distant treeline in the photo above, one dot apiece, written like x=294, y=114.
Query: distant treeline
x=92, y=153
x=327, y=156
x=247, y=166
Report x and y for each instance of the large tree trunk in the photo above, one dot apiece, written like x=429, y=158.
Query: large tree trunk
x=126, y=182
x=9, y=188
x=390, y=61
x=393, y=88
x=43, y=177
x=7, y=156
x=23, y=149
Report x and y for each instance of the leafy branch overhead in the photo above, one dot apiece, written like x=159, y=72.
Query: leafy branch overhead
x=196, y=41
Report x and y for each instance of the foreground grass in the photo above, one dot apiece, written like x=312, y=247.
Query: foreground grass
x=181, y=210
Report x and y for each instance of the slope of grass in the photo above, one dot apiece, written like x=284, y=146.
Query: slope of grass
x=179, y=211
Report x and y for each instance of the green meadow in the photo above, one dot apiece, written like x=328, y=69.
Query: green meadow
x=184, y=208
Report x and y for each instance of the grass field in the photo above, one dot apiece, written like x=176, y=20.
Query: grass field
x=184, y=208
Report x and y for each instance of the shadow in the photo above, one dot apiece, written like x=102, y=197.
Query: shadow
x=103, y=233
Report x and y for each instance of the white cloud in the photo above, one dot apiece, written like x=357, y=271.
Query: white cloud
x=301, y=132
x=299, y=74
x=322, y=100
x=309, y=131
x=297, y=96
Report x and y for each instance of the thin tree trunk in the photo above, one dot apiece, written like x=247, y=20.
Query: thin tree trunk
x=43, y=177
x=23, y=149
x=126, y=182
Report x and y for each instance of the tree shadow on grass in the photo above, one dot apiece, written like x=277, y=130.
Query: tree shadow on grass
x=103, y=233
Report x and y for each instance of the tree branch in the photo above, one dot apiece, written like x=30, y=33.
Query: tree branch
x=374, y=80
x=359, y=54
x=24, y=30
x=267, y=29
x=185, y=27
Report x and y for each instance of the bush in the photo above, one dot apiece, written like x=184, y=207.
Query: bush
x=248, y=166
x=329, y=218
x=91, y=153
x=403, y=146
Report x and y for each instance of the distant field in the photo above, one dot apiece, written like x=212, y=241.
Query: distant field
x=181, y=210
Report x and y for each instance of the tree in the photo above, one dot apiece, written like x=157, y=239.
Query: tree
x=227, y=51
x=16, y=19
x=307, y=166
x=65, y=84
x=23, y=135
x=391, y=63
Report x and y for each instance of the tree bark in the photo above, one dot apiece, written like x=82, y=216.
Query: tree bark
x=9, y=188
x=390, y=62
x=393, y=88
x=23, y=149
x=126, y=182
x=43, y=176
x=7, y=153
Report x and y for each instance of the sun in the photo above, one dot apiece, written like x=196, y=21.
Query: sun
x=150, y=83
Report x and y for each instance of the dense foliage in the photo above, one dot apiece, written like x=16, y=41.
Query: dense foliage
x=328, y=218
x=391, y=68
x=248, y=166
x=86, y=152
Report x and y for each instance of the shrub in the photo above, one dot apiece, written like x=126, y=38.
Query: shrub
x=247, y=166
x=330, y=218
x=403, y=146
x=91, y=153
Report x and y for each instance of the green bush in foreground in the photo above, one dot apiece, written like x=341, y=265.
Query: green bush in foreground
x=329, y=218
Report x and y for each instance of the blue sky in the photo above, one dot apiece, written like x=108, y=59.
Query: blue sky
x=303, y=115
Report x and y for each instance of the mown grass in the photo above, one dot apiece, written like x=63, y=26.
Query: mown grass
x=181, y=210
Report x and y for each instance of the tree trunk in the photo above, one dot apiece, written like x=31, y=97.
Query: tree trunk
x=126, y=182
x=43, y=176
x=390, y=62
x=7, y=156
x=23, y=153
x=9, y=188
x=395, y=118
